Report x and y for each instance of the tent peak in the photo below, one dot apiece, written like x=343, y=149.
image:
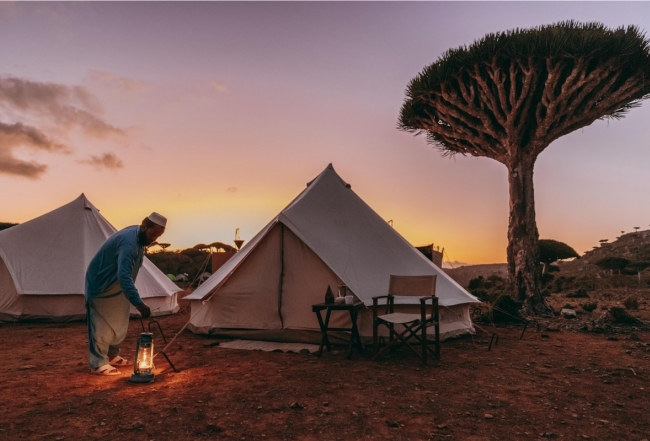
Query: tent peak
x=329, y=169
x=87, y=204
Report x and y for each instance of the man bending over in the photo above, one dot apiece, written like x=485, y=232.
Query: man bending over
x=110, y=292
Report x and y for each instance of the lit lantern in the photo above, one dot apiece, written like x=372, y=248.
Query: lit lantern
x=143, y=366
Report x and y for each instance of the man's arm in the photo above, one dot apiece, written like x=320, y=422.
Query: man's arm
x=125, y=260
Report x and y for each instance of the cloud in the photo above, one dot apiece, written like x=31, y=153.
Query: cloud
x=115, y=81
x=66, y=107
x=105, y=161
x=55, y=109
x=232, y=189
x=12, y=166
x=13, y=135
x=219, y=86
x=17, y=135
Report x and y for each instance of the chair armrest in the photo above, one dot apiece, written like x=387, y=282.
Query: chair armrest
x=388, y=304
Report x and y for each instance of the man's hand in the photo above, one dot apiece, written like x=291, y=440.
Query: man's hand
x=144, y=310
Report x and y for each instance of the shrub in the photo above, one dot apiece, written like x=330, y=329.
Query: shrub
x=487, y=289
x=579, y=294
x=481, y=294
x=631, y=303
x=553, y=269
x=475, y=283
x=622, y=316
x=509, y=306
x=563, y=282
x=495, y=279
x=589, y=307
x=546, y=293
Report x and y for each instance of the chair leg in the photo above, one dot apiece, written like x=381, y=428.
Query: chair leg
x=417, y=337
x=425, y=344
x=437, y=340
x=400, y=340
x=375, y=337
x=392, y=334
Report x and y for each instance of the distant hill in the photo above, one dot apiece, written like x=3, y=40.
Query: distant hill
x=464, y=274
x=634, y=247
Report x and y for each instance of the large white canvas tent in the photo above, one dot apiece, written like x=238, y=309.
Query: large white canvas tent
x=326, y=236
x=43, y=266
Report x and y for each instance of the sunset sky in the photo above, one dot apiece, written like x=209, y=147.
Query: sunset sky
x=217, y=115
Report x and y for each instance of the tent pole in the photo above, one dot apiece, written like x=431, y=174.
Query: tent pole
x=281, y=273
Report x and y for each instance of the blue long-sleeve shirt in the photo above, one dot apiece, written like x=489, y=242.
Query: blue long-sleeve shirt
x=118, y=260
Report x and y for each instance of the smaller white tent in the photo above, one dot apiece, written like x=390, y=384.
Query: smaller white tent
x=43, y=266
x=326, y=236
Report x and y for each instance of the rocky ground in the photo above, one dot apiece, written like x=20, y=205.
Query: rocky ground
x=555, y=383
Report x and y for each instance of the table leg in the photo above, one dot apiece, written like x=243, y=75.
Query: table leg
x=355, y=331
x=323, y=332
x=326, y=339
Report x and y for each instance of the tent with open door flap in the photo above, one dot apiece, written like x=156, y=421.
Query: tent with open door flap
x=326, y=236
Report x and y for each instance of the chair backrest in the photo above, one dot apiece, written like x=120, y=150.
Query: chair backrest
x=412, y=286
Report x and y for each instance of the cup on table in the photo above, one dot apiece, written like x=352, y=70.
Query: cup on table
x=339, y=300
x=349, y=300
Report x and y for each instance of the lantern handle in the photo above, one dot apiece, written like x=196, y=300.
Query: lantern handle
x=152, y=322
x=141, y=323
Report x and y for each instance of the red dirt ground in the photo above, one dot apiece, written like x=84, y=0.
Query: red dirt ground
x=562, y=385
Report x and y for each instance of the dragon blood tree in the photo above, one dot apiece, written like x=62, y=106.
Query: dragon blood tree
x=510, y=94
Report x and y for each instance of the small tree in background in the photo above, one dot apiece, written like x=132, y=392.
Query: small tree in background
x=553, y=250
x=613, y=263
x=636, y=268
x=510, y=94
x=221, y=246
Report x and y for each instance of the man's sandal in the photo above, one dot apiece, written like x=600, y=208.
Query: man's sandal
x=106, y=369
x=119, y=362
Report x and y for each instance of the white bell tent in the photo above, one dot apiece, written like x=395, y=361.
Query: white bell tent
x=326, y=236
x=43, y=266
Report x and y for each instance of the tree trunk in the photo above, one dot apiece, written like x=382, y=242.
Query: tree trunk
x=524, y=276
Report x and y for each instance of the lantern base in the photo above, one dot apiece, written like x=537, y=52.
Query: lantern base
x=141, y=378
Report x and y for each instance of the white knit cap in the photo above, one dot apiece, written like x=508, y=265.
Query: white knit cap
x=158, y=219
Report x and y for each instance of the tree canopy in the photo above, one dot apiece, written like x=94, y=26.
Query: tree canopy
x=504, y=88
x=552, y=250
x=613, y=263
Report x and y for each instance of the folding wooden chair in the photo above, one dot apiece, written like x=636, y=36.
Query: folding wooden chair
x=415, y=325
